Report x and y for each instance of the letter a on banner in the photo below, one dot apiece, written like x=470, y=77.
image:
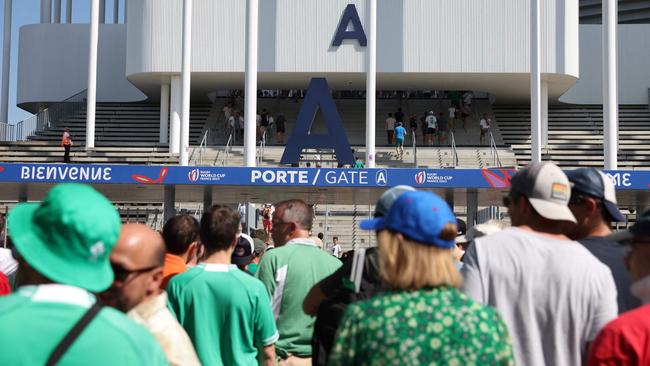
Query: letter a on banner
x=350, y=15
x=318, y=97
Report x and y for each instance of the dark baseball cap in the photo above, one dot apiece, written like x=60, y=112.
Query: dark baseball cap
x=243, y=253
x=640, y=228
x=595, y=183
x=387, y=198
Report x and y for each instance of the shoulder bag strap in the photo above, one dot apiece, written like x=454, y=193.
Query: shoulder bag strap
x=73, y=334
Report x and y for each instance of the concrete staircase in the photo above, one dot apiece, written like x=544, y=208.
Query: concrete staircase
x=427, y=157
x=353, y=114
x=123, y=124
x=50, y=152
x=575, y=135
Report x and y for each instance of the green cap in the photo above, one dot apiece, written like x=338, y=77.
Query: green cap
x=260, y=247
x=69, y=236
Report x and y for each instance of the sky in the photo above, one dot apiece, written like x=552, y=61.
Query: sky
x=28, y=12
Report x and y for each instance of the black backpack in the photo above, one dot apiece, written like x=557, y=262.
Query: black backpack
x=332, y=309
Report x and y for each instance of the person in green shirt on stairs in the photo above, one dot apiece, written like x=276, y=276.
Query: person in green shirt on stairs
x=288, y=272
x=62, y=246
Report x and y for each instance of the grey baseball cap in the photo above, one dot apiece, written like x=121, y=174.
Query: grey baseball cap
x=387, y=198
x=547, y=188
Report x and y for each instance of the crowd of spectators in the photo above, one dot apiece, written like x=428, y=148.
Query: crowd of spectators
x=558, y=287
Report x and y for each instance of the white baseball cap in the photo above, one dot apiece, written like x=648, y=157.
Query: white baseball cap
x=547, y=188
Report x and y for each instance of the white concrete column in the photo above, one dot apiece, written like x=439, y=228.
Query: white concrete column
x=610, y=84
x=535, y=102
x=544, y=113
x=102, y=11
x=6, y=62
x=371, y=83
x=57, y=12
x=116, y=11
x=92, y=74
x=175, y=128
x=164, y=113
x=250, y=100
x=68, y=12
x=186, y=75
x=46, y=11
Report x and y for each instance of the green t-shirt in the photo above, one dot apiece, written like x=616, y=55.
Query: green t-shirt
x=252, y=268
x=289, y=272
x=225, y=311
x=359, y=164
x=36, y=318
x=439, y=326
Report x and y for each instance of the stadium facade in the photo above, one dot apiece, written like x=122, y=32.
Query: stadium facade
x=482, y=46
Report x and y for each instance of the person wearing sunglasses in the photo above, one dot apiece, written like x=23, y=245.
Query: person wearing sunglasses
x=593, y=203
x=62, y=246
x=137, y=262
x=625, y=340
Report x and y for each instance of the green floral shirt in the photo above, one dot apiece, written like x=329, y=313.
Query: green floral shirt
x=438, y=326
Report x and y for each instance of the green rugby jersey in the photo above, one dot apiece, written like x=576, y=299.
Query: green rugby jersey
x=289, y=272
x=36, y=318
x=225, y=311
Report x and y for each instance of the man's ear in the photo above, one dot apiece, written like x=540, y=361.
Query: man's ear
x=156, y=278
x=592, y=205
x=192, y=251
x=233, y=244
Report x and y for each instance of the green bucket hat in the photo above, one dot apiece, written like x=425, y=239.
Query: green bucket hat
x=69, y=236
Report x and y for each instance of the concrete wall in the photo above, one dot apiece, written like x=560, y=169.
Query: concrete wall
x=414, y=36
x=53, y=64
x=633, y=70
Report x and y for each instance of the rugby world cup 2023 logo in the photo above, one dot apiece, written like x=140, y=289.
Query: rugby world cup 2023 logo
x=193, y=175
x=420, y=177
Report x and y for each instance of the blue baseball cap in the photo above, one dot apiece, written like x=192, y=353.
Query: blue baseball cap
x=595, y=183
x=421, y=216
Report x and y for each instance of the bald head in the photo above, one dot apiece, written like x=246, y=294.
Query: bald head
x=137, y=262
x=140, y=246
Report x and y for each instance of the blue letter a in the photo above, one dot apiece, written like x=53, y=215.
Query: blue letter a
x=350, y=15
x=318, y=96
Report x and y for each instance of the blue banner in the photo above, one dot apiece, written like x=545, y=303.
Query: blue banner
x=241, y=176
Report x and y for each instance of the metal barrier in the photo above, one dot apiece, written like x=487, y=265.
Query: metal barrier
x=43, y=120
x=454, y=150
x=494, y=152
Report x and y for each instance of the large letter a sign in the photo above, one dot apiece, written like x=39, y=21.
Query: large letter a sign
x=318, y=97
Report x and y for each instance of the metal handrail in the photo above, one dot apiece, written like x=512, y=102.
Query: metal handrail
x=231, y=140
x=494, y=152
x=454, y=149
x=44, y=119
x=415, y=149
x=260, y=150
x=201, y=148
